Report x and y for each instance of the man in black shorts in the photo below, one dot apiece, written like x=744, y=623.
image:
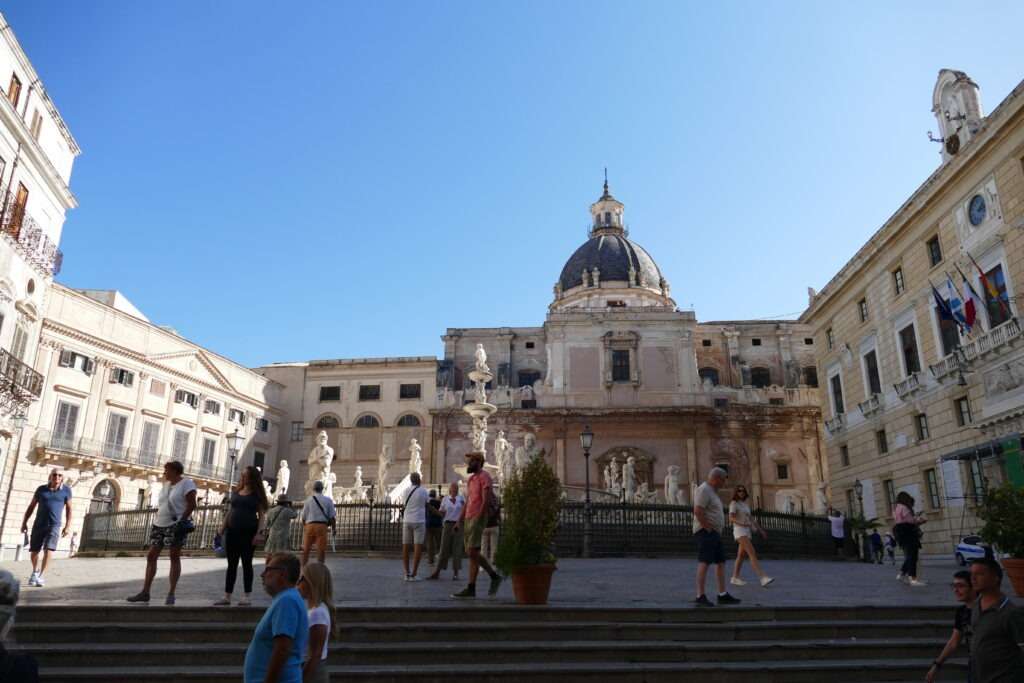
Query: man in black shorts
x=708, y=522
x=170, y=527
x=961, y=623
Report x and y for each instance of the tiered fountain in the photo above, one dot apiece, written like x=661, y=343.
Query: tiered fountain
x=479, y=410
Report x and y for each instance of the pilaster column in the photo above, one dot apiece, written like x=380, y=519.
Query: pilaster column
x=98, y=390
x=560, y=468
x=754, y=448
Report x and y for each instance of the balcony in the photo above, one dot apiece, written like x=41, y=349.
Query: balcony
x=28, y=238
x=996, y=339
x=19, y=384
x=78, y=451
x=907, y=387
x=836, y=424
x=874, y=403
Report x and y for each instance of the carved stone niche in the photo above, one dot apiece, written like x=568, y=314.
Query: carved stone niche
x=621, y=341
x=644, y=464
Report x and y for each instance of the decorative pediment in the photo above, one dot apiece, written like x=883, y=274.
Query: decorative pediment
x=194, y=363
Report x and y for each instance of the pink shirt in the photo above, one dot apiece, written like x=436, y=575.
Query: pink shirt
x=903, y=514
x=478, y=484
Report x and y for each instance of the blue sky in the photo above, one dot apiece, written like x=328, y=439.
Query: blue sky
x=346, y=180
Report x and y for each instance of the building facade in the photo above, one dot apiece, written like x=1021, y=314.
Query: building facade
x=913, y=401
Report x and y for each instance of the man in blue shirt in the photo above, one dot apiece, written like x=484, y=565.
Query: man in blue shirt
x=279, y=643
x=53, y=499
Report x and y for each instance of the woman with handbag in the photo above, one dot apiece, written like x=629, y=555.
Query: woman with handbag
x=242, y=531
x=908, y=534
x=279, y=525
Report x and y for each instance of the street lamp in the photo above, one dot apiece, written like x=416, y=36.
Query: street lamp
x=586, y=441
x=234, y=446
x=858, y=488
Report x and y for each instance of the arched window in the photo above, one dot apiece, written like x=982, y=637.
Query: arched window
x=607, y=217
x=708, y=374
x=367, y=421
x=104, y=497
x=407, y=421
x=327, y=422
x=528, y=377
x=760, y=377
x=811, y=376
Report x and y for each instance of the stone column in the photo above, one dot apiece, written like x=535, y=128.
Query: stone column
x=97, y=394
x=167, y=433
x=690, y=454
x=754, y=451
x=560, y=468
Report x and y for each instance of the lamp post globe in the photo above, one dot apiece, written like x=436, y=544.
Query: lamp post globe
x=235, y=440
x=586, y=441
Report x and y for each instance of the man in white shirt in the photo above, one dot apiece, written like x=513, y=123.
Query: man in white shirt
x=708, y=522
x=171, y=528
x=317, y=517
x=414, y=526
x=451, y=535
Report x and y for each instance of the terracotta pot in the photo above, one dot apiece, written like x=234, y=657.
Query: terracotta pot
x=1014, y=568
x=532, y=584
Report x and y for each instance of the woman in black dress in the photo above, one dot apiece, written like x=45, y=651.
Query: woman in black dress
x=243, y=524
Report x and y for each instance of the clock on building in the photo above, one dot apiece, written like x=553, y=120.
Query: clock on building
x=976, y=211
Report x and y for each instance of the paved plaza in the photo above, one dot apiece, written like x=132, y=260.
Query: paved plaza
x=614, y=582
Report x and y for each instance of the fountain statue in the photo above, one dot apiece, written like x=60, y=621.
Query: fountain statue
x=384, y=464
x=629, y=479
x=673, y=494
x=503, y=457
x=415, y=461
x=319, y=462
x=284, y=475
x=479, y=410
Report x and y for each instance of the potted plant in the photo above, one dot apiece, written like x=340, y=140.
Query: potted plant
x=1003, y=514
x=530, y=502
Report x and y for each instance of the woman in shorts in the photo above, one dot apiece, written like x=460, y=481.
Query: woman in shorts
x=742, y=525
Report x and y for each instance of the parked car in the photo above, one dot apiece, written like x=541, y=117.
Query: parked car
x=970, y=548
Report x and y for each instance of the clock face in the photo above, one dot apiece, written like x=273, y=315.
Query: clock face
x=977, y=209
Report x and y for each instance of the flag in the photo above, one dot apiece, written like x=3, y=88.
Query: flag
x=956, y=306
x=990, y=289
x=945, y=313
x=972, y=302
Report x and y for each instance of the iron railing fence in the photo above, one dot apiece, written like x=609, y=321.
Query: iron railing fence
x=618, y=529
x=20, y=376
x=28, y=236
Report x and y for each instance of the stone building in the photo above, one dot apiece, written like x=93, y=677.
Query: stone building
x=914, y=402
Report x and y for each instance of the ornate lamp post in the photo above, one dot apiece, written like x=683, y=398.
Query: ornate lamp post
x=234, y=446
x=858, y=488
x=586, y=441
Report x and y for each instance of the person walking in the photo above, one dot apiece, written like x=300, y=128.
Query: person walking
x=997, y=628
x=743, y=523
x=708, y=521
x=480, y=502
x=435, y=524
x=279, y=642
x=877, y=549
x=279, y=525
x=961, y=635
x=890, y=547
x=171, y=527
x=838, y=529
x=242, y=531
x=54, y=501
x=317, y=517
x=317, y=589
x=19, y=667
x=451, y=534
x=414, y=526
x=908, y=534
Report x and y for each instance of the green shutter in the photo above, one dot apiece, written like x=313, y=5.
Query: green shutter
x=1012, y=458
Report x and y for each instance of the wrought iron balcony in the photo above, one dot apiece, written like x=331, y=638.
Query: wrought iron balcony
x=908, y=386
x=976, y=349
x=874, y=403
x=836, y=424
x=20, y=383
x=28, y=238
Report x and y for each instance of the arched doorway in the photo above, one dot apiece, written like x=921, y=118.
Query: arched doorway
x=104, y=497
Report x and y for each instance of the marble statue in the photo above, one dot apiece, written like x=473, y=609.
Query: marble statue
x=480, y=392
x=614, y=482
x=153, y=488
x=329, y=483
x=586, y=279
x=673, y=495
x=503, y=456
x=319, y=462
x=822, y=498
x=481, y=359
x=480, y=440
x=629, y=479
x=383, y=469
x=526, y=452
x=358, y=488
x=645, y=495
x=526, y=393
x=269, y=490
x=284, y=476
x=415, y=461
x=608, y=477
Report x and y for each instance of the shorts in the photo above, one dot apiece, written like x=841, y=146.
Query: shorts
x=709, y=547
x=473, y=532
x=839, y=542
x=172, y=536
x=739, y=532
x=314, y=532
x=413, y=533
x=44, y=537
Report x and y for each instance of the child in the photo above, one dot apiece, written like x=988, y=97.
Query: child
x=890, y=547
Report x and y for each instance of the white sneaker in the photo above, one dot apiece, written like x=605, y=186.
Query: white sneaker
x=765, y=580
x=415, y=578
x=405, y=578
x=32, y=579
x=39, y=580
x=737, y=582
x=915, y=582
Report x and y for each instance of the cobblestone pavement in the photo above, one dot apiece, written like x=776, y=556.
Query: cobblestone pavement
x=599, y=582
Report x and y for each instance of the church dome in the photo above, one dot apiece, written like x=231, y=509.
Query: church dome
x=615, y=257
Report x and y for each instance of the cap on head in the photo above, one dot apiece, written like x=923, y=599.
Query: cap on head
x=475, y=455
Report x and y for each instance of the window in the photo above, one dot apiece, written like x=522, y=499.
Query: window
x=179, y=447
x=530, y=345
x=897, y=281
x=808, y=341
x=526, y=378
x=70, y=359
x=933, y=489
x=921, y=424
x=325, y=422
x=890, y=495
x=705, y=342
x=963, y=411
x=837, y=395
x=811, y=376
x=262, y=424
x=113, y=443
x=977, y=480
x=844, y=455
x=211, y=407
x=367, y=421
x=620, y=365
x=19, y=346
x=64, y=427
x=408, y=421
x=369, y=392
x=157, y=388
x=17, y=214
x=760, y=377
x=708, y=374
x=830, y=340
x=934, y=251
x=998, y=305
x=776, y=402
x=150, y=442
x=755, y=342
x=330, y=393
x=258, y=459
x=295, y=433
x=862, y=308
x=37, y=124
x=721, y=403
x=182, y=396
x=782, y=471
x=236, y=415
x=949, y=333
x=908, y=344
x=874, y=381
x=408, y=391
x=14, y=90
x=882, y=442
x=209, y=453
x=615, y=303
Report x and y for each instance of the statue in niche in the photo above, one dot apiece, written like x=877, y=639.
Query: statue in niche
x=503, y=457
x=608, y=476
x=284, y=476
x=415, y=461
x=614, y=482
x=629, y=479
x=673, y=495
x=480, y=356
x=319, y=462
x=384, y=464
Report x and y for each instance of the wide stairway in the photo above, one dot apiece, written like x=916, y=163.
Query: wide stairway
x=133, y=644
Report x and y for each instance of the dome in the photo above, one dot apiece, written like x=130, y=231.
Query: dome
x=614, y=255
